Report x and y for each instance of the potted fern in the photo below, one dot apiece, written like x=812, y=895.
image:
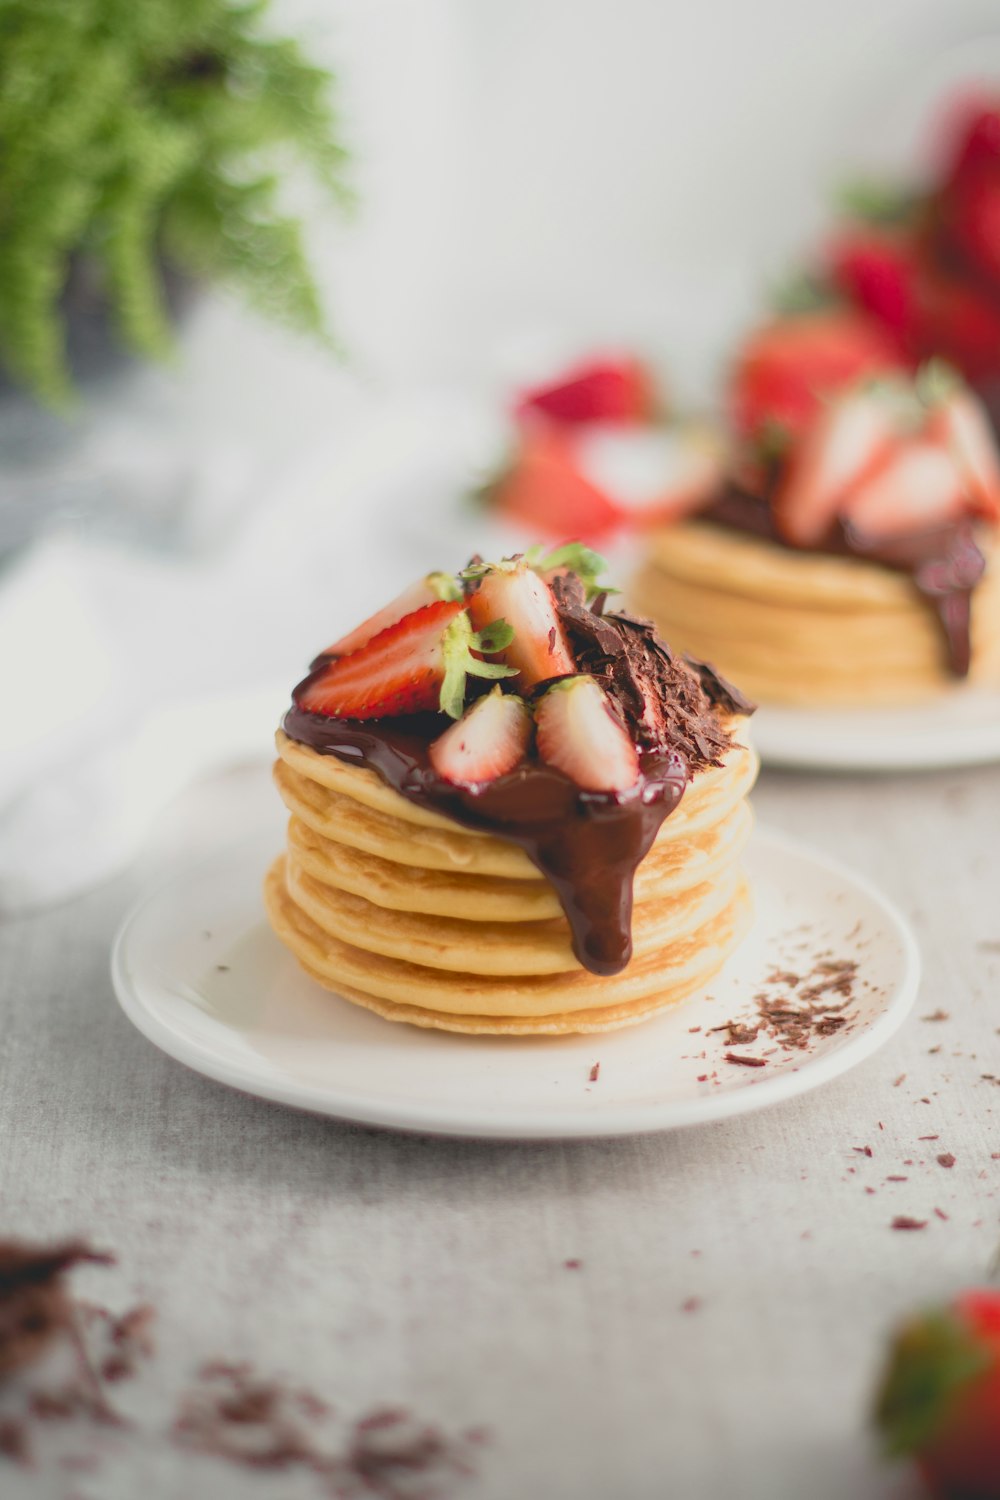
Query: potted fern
x=141, y=147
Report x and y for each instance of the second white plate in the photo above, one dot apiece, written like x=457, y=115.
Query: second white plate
x=196, y=968
x=962, y=728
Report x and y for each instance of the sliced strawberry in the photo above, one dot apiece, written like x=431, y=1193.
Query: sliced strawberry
x=513, y=592
x=418, y=664
x=426, y=590
x=785, y=369
x=545, y=489
x=875, y=269
x=600, y=390
x=652, y=474
x=842, y=447
x=580, y=734
x=919, y=487
x=960, y=424
x=490, y=739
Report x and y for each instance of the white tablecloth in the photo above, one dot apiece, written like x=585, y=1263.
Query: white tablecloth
x=379, y=1268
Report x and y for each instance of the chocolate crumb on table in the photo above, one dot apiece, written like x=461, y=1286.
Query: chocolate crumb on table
x=595, y=1072
x=34, y=1305
x=946, y=1159
x=230, y=1412
x=14, y=1442
x=937, y=1015
x=903, y=1221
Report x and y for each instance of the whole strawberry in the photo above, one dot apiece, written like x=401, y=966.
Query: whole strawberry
x=939, y=1400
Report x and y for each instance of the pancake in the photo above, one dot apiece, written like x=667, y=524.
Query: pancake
x=806, y=628
x=420, y=919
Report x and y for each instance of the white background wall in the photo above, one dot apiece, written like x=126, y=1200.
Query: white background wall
x=606, y=168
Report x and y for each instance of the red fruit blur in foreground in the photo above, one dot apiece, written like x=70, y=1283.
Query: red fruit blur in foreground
x=600, y=390
x=786, y=369
x=939, y=1400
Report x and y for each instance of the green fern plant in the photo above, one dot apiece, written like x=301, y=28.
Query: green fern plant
x=135, y=133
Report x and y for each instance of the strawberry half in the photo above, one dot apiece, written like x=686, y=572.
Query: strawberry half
x=428, y=590
x=919, y=487
x=546, y=489
x=490, y=739
x=600, y=390
x=580, y=734
x=959, y=423
x=785, y=369
x=513, y=592
x=416, y=665
x=842, y=447
x=939, y=1398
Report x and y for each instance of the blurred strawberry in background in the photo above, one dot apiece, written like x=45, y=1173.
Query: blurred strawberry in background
x=924, y=266
x=786, y=369
x=596, y=452
x=601, y=390
x=939, y=1398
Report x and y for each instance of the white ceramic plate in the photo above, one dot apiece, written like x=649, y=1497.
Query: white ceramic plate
x=960, y=729
x=198, y=971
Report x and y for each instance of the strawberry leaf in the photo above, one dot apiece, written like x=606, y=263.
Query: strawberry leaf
x=801, y=292
x=494, y=637
x=445, y=585
x=458, y=643
x=587, y=564
x=877, y=202
x=931, y=1362
x=936, y=381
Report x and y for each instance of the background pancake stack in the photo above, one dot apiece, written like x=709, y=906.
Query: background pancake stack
x=806, y=628
x=422, y=920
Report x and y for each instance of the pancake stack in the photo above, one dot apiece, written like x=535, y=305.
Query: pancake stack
x=808, y=628
x=422, y=920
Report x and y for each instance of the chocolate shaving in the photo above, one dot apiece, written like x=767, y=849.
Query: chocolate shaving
x=718, y=690
x=744, y=1061
x=34, y=1306
x=659, y=697
x=903, y=1221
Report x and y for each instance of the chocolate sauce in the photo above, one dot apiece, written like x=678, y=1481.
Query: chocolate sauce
x=587, y=844
x=944, y=562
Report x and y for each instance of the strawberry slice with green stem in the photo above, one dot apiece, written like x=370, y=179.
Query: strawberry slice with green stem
x=514, y=592
x=417, y=665
x=490, y=739
x=958, y=421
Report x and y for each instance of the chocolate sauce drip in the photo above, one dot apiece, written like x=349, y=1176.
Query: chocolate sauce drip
x=587, y=844
x=943, y=561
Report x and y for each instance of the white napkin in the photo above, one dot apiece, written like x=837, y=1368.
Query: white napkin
x=122, y=677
